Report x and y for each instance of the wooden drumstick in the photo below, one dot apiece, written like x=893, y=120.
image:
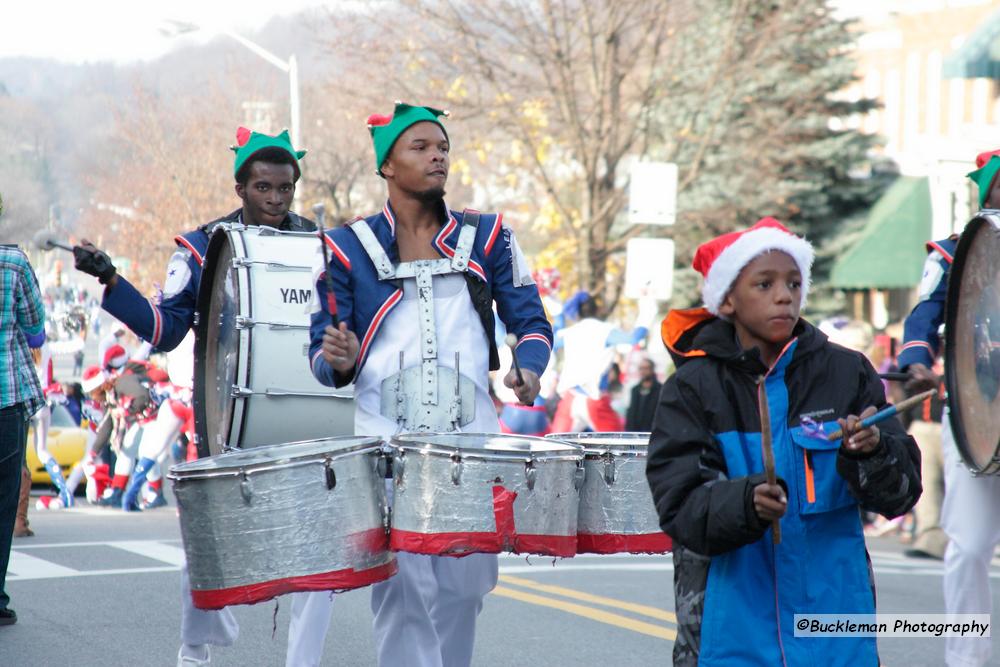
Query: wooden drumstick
x=767, y=451
x=511, y=341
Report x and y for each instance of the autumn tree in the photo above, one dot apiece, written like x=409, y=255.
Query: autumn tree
x=559, y=97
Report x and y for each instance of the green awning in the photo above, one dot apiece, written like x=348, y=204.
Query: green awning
x=890, y=253
x=979, y=55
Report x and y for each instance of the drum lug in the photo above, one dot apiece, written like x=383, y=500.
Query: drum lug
x=331, y=476
x=456, y=469
x=609, y=469
x=530, y=473
x=240, y=392
x=579, y=475
x=244, y=322
x=398, y=463
x=245, y=489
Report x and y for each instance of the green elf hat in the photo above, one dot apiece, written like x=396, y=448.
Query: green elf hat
x=248, y=143
x=988, y=164
x=385, y=130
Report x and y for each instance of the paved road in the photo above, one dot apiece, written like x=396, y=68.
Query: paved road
x=97, y=587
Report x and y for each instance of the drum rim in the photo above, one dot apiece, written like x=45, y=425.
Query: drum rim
x=597, y=450
x=991, y=218
x=401, y=442
x=188, y=471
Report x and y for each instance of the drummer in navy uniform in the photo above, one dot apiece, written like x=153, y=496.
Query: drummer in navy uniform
x=414, y=286
x=266, y=170
x=972, y=534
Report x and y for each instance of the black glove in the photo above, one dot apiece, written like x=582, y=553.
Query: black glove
x=95, y=262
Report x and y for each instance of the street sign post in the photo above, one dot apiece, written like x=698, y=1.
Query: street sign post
x=649, y=269
x=653, y=193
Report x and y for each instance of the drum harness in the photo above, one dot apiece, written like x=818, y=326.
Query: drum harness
x=417, y=398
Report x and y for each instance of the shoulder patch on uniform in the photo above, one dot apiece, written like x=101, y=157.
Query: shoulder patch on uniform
x=518, y=262
x=178, y=273
x=932, y=276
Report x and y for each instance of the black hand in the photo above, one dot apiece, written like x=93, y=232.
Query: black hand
x=95, y=262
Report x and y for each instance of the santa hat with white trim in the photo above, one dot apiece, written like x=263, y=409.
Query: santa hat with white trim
x=93, y=378
x=721, y=259
x=115, y=357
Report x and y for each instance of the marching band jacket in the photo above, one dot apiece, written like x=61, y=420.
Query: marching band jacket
x=737, y=592
x=165, y=324
x=497, y=273
x=921, y=341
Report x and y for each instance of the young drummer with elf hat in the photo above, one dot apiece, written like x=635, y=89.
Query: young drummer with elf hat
x=266, y=169
x=425, y=615
x=973, y=534
x=751, y=372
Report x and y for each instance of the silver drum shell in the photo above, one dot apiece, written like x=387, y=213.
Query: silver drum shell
x=617, y=513
x=263, y=522
x=450, y=491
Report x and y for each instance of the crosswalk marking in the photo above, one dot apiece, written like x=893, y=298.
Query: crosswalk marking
x=23, y=566
x=167, y=553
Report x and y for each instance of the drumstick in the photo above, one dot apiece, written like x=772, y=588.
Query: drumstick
x=895, y=377
x=767, y=451
x=511, y=341
x=331, y=298
x=884, y=414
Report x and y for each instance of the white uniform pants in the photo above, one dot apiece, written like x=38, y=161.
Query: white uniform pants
x=41, y=421
x=425, y=615
x=200, y=627
x=970, y=519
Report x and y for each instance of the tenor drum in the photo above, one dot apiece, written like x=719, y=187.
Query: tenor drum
x=972, y=344
x=462, y=493
x=253, y=385
x=617, y=513
x=306, y=516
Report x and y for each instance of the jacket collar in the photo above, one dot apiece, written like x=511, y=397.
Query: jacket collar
x=445, y=240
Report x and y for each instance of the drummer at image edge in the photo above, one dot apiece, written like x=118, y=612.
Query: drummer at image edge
x=266, y=170
x=973, y=534
x=425, y=615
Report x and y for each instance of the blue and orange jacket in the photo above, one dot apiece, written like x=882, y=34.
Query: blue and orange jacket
x=705, y=460
x=165, y=324
x=921, y=340
x=363, y=301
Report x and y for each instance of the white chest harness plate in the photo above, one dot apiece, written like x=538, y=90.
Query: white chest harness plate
x=428, y=397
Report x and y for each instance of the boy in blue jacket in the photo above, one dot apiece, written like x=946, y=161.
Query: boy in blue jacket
x=736, y=592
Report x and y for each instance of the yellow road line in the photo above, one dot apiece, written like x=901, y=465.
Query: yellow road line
x=589, y=612
x=645, y=610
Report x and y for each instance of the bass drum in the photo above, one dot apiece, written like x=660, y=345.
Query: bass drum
x=253, y=385
x=972, y=344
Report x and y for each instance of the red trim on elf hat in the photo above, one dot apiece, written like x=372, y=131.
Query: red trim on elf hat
x=983, y=158
x=377, y=119
x=242, y=136
x=721, y=259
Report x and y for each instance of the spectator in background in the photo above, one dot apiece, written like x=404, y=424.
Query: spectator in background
x=115, y=337
x=22, y=323
x=588, y=351
x=645, y=395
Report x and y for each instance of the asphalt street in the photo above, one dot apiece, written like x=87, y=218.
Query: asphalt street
x=97, y=587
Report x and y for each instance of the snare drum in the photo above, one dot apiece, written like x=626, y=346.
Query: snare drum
x=617, y=513
x=462, y=493
x=306, y=516
x=253, y=383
